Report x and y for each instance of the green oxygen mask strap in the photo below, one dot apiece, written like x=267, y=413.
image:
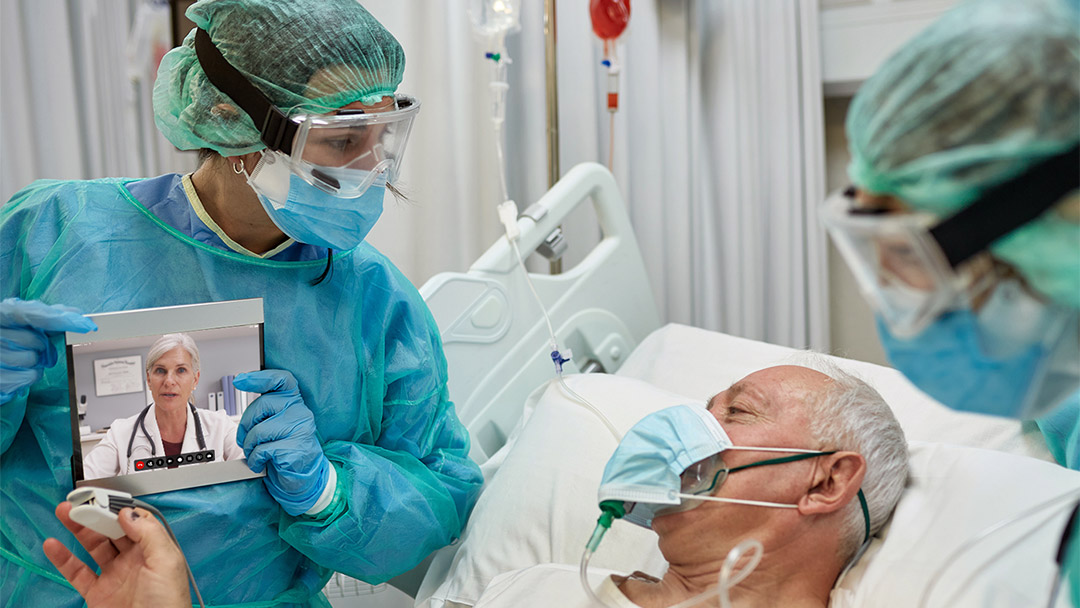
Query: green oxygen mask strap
x=865, y=514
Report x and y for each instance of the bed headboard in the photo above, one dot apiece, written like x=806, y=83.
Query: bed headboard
x=494, y=335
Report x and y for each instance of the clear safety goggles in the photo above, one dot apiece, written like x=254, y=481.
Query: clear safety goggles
x=912, y=267
x=899, y=265
x=342, y=152
x=345, y=152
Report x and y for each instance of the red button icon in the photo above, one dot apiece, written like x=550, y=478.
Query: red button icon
x=139, y=465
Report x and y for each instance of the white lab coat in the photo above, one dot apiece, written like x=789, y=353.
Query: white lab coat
x=109, y=458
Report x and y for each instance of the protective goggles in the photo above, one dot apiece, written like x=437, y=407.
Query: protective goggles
x=342, y=152
x=912, y=267
x=703, y=478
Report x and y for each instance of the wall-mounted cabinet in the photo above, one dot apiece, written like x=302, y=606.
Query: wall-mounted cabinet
x=857, y=36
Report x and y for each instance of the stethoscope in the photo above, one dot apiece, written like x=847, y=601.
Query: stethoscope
x=140, y=422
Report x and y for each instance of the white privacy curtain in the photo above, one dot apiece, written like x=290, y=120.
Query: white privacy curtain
x=76, y=91
x=718, y=147
x=719, y=150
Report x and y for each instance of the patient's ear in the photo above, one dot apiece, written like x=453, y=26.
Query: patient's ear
x=836, y=481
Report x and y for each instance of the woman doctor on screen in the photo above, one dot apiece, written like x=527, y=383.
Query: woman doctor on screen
x=294, y=106
x=963, y=225
x=169, y=426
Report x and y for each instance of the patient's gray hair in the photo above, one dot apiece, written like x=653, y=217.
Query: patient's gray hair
x=852, y=416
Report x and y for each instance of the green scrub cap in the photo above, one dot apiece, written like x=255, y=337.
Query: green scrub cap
x=975, y=99
x=306, y=56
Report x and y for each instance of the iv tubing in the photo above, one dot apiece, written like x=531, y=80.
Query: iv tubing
x=501, y=160
x=551, y=332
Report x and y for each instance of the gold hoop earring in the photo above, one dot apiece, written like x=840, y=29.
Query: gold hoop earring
x=238, y=168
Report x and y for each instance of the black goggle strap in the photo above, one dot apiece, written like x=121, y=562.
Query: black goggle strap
x=275, y=129
x=1008, y=206
x=795, y=458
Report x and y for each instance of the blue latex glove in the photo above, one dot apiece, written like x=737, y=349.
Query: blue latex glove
x=278, y=429
x=25, y=349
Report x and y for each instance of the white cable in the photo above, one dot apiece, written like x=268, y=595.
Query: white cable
x=971, y=542
x=191, y=576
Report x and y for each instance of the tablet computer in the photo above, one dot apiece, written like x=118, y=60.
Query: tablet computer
x=139, y=370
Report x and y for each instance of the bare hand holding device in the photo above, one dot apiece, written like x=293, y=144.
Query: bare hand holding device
x=140, y=566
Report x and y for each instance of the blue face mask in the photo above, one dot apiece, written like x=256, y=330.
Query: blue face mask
x=647, y=464
x=1015, y=357
x=311, y=216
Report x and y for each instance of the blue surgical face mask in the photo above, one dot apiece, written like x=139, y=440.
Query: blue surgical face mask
x=310, y=215
x=1015, y=356
x=647, y=464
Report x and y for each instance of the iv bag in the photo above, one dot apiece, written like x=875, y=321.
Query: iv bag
x=609, y=17
x=494, y=18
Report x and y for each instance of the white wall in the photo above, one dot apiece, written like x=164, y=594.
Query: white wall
x=851, y=322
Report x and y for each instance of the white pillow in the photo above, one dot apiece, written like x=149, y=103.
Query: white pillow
x=540, y=506
x=954, y=494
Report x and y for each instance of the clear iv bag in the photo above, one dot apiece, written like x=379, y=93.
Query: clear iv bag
x=494, y=18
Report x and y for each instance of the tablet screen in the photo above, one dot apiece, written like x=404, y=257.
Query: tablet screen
x=153, y=407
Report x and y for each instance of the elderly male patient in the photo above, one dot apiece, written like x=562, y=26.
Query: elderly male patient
x=849, y=439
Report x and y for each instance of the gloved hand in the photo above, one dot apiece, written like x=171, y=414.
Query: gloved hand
x=25, y=349
x=278, y=429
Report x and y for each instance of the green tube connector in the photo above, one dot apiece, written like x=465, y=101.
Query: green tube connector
x=610, y=510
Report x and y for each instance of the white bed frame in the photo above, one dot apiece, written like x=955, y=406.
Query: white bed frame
x=495, y=337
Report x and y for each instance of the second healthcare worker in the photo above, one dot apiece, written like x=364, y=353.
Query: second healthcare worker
x=294, y=105
x=963, y=225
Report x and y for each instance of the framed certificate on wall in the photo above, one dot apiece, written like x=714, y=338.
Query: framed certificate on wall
x=118, y=375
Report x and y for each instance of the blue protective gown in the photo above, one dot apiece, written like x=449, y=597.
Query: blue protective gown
x=1061, y=429
x=362, y=345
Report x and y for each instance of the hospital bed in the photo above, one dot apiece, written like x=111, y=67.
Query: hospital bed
x=542, y=452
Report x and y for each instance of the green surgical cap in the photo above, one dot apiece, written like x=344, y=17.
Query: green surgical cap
x=306, y=56
x=975, y=99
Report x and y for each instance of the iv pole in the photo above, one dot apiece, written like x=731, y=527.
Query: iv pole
x=552, y=107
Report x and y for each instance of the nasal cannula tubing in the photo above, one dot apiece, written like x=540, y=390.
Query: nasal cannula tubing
x=968, y=544
x=610, y=510
x=728, y=577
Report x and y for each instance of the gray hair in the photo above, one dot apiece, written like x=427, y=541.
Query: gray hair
x=168, y=342
x=852, y=416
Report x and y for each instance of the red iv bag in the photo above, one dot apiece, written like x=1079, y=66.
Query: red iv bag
x=609, y=17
